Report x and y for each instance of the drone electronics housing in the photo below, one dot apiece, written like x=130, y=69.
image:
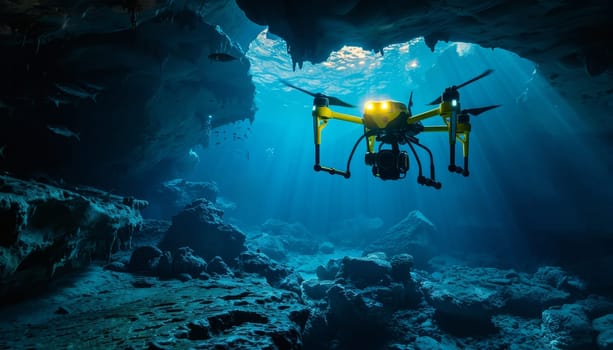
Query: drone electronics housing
x=382, y=114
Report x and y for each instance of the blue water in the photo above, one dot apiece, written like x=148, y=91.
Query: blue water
x=532, y=169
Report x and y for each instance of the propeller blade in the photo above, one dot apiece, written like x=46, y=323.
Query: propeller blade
x=435, y=102
x=338, y=102
x=482, y=75
x=411, y=100
x=299, y=89
x=331, y=99
x=456, y=87
x=477, y=111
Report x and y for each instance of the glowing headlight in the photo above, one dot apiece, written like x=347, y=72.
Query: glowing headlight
x=454, y=103
x=384, y=105
x=369, y=106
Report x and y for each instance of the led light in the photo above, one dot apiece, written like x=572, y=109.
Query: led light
x=454, y=103
x=313, y=108
x=369, y=106
x=384, y=105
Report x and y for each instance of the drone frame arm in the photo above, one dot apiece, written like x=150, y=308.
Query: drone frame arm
x=321, y=116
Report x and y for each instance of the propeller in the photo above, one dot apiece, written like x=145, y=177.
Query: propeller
x=477, y=111
x=410, y=103
x=331, y=99
x=456, y=87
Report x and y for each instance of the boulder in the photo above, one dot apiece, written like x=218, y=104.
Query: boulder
x=604, y=326
x=174, y=195
x=329, y=271
x=316, y=289
x=273, y=246
x=185, y=262
x=276, y=275
x=413, y=235
x=567, y=327
x=364, y=272
x=145, y=260
x=294, y=236
x=467, y=293
x=218, y=267
x=200, y=227
x=401, y=267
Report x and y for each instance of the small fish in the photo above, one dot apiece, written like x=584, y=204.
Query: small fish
x=63, y=131
x=57, y=101
x=93, y=86
x=221, y=57
x=2, y=149
x=193, y=155
x=77, y=92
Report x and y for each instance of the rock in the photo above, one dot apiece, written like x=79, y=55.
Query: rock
x=604, y=323
x=466, y=293
x=605, y=340
x=46, y=231
x=218, y=267
x=174, y=195
x=165, y=265
x=604, y=326
x=518, y=333
x=143, y=153
x=184, y=277
x=61, y=310
x=558, y=278
x=427, y=343
x=151, y=232
x=276, y=274
x=200, y=227
x=567, y=327
x=360, y=322
x=185, y=262
x=499, y=26
x=329, y=271
x=596, y=306
x=145, y=260
x=363, y=272
x=401, y=267
x=294, y=236
x=316, y=289
x=270, y=245
x=117, y=266
x=326, y=247
x=199, y=330
x=291, y=282
x=143, y=283
x=155, y=346
x=413, y=235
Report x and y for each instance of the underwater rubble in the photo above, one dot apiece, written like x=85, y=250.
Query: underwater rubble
x=198, y=282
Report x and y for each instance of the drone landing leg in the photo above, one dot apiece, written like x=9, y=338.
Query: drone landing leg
x=421, y=179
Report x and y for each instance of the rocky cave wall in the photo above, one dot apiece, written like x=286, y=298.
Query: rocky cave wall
x=108, y=93
x=570, y=41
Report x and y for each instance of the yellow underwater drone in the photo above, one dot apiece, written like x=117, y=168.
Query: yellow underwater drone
x=391, y=122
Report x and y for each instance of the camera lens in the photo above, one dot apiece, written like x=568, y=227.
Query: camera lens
x=386, y=160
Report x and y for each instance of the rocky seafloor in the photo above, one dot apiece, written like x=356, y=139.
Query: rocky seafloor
x=199, y=282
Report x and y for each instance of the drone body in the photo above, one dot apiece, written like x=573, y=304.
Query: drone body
x=389, y=122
